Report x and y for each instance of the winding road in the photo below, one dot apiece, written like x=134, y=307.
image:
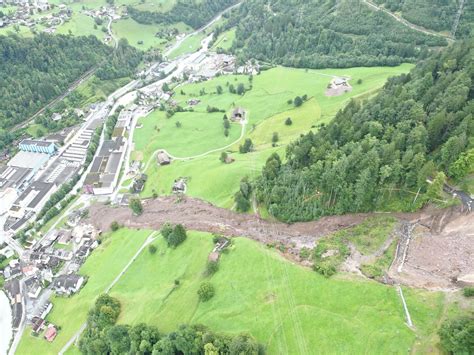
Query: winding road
x=406, y=23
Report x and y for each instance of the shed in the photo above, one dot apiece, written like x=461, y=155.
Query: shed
x=213, y=257
x=50, y=333
x=163, y=158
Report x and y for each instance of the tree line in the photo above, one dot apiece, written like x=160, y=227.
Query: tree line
x=382, y=151
x=103, y=336
x=322, y=34
x=193, y=13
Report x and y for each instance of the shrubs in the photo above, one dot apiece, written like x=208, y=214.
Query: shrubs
x=173, y=236
x=468, y=291
x=246, y=147
x=288, y=121
x=152, y=249
x=136, y=206
x=114, y=226
x=456, y=335
x=206, y=291
x=211, y=268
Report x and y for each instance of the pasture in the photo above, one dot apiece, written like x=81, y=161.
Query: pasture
x=267, y=107
x=288, y=308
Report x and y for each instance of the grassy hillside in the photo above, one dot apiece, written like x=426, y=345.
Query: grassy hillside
x=288, y=308
x=267, y=107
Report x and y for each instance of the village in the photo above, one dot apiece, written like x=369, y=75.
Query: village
x=38, y=263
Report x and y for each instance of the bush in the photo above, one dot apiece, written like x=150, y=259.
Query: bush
x=468, y=291
x=114, y=226
x=211, y=268
x=174, y=236
x=152, y=249
x=246, y=147
x=206, y=291
x=288, y=121
x=136, y=206
x=298, y=101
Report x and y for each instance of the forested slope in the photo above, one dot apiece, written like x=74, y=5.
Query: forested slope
x=34, y=71
x=438, y=15
x=325, y=33
x=193, y=13
x=419, y=124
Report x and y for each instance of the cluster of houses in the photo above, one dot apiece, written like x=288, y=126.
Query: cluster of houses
x=53, y=264
x=26, y=10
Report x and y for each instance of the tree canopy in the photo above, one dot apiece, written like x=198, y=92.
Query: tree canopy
x=421, y=123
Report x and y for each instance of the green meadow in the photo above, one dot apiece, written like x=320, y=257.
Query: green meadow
x=267, y=107
x=189, y=45
x=288, y=308
x=225, y=40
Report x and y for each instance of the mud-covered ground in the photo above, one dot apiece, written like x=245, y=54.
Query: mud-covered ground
x=440, y=247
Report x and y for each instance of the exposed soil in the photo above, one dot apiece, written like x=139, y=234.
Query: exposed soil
x=199, y=215
x=440, y=251
x=436, y=247
x=336, y=90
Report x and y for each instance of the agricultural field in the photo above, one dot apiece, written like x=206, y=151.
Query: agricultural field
x=267, y=107
x=225, y=40
x=189, y=45
x=102, y=267
x=288, y=308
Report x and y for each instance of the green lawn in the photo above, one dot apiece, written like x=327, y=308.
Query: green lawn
x=102, y=267
x=288, y=308
x=225, y=40
x=94, y=89
x=189, y=45
x=135, y=32
x=81, y=25
x=267, y=109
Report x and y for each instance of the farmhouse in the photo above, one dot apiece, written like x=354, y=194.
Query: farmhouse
x=179, y=186
x=163, y=158
x=238, y=114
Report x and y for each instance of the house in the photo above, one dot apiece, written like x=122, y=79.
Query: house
x=68, y=284
x=37, y=324
x=193, y=102
x=64, y=237
x=50, y=333
x=238, y=114
x=33, y=286
x=139, y=183
x=179, y=186
x=56, y=117
x=163, y=158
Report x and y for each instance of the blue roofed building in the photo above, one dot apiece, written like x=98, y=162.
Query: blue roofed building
x=37, y=146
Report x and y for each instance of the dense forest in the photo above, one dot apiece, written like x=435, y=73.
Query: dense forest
x=103, y=336
x=36, y=70
x=420, y=125
x=325, y=33
x=437, y=15
x=193, y=13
